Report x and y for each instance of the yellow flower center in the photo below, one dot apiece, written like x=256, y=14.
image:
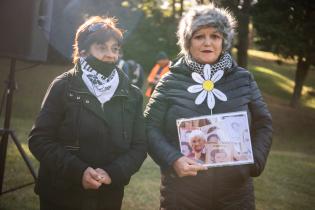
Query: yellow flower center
x=208, y=85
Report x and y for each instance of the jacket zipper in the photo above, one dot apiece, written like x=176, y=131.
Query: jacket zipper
x=78, y=124
x=123, y=120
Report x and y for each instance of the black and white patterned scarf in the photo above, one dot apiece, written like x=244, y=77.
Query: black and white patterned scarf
x=225, y=62
x=101, y=87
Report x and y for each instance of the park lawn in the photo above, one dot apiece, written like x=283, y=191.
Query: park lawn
x=288, y=180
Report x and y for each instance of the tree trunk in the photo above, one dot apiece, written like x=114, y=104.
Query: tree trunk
x=181, y=8
x=173, y=9
x=300, y=76
x=243, y=18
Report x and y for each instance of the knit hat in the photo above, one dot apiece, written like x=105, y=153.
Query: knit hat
x=161, y=56
x=205, y=15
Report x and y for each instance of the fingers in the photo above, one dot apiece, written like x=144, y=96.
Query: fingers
x=93, y=184
x=195, y=165
x=94, y=178
x=95, y=175
x=88, y=180
x=189, y=170
x=187, y=167
x=104, y=178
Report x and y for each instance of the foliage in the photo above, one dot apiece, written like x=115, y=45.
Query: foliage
x=286, y=27
x=155, y=32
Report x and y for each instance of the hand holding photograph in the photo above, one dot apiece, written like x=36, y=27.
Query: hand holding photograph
x=216, y=140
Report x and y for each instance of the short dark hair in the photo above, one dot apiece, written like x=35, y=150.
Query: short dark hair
x=96, y=29
x=213, y=135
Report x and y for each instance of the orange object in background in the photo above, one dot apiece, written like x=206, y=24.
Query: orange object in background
x=160, y=68
x=156, y=73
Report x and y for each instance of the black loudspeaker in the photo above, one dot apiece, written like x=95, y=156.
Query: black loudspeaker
x=25, y=28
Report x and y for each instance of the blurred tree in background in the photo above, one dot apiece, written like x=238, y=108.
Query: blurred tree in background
x=156, y=30
x=241, y=9
x=287, y=28
x=284, y=27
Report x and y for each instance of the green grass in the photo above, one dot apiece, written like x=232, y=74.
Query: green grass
x=288, y=180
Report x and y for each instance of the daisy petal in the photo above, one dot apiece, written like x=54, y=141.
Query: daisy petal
x=195, y=88
x=207, y=72
x=210, y=100
x=219, y=94
x=197, y=77
x=217, y=76
x=201, y=97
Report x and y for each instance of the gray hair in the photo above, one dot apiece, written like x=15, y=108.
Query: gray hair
x=197, y=134
x=202, y=16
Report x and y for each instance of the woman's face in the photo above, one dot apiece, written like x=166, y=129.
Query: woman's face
x=107, y=52
x=197, y=144
x=206, y=45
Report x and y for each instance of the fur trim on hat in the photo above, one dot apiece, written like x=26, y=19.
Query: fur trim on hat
x=205, y=15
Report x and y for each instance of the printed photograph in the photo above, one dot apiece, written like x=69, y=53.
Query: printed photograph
x=216, y=140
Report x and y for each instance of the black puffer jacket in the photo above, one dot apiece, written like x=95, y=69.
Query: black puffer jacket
x=73, y=131
x=172, y=101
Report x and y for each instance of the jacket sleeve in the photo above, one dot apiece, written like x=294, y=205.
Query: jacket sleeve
x=160, y=149
x=126, y=165
x=261, y=129
x=43, y=137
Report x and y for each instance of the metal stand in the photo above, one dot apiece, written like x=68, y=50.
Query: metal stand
x=5, y=132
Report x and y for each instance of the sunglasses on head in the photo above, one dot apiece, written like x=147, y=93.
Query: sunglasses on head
x=96, y=26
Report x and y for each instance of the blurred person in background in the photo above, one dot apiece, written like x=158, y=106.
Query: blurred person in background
x=160, y=68
x=135, y=73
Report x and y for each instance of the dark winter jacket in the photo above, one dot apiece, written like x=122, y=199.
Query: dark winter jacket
x=73, y=131
x=171, y=101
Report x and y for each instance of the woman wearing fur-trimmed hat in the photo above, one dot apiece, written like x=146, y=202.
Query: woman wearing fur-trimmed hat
x=89, y=134
x=205, y=80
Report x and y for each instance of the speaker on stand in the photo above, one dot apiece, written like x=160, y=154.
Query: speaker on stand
x=25, y=28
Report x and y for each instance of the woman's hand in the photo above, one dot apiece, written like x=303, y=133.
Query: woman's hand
x=94, y=178
x=185, y=166
x=104, y=177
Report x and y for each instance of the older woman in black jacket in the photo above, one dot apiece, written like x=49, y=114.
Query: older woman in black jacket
x=204, y=81
x=89, y=135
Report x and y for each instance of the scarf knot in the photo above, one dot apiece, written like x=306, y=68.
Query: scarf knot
x=103, y=88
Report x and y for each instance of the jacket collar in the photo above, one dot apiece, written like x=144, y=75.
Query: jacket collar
x=76, y=84
x=180, y=66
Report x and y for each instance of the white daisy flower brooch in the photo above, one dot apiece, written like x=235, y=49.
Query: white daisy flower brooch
x=206, y=87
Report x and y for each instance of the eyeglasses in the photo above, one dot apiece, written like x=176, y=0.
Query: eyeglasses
x=102, y=48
